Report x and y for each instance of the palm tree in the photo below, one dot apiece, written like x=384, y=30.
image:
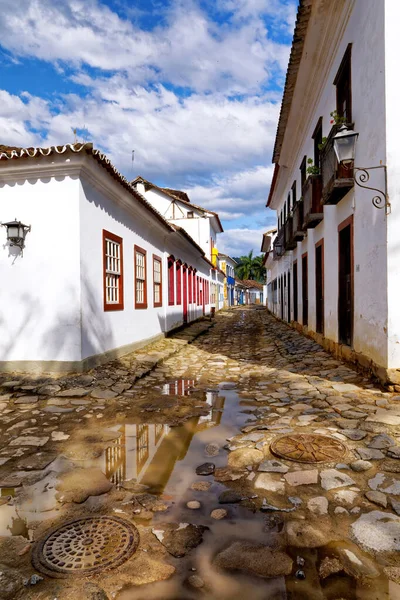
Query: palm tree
x=258, y=269
x=250, y=267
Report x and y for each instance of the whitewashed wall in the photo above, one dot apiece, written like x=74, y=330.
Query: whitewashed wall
x=51, y=298
x=365, y=30
x=103, y=331
x=40, y=292
x=391, y=111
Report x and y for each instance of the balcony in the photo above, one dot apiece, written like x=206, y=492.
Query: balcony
x=312, y=205
x=290, y=242
x=298, y=219
x=279, y=248
x=337, y=179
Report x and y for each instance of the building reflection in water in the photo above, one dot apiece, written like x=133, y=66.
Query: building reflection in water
x=147, y=453
x=180, y=387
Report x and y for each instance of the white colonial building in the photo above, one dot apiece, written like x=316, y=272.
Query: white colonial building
x=336, y=273
x=101, y=271
x=201, y=224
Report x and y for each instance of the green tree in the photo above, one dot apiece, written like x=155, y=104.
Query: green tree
x=251, y=267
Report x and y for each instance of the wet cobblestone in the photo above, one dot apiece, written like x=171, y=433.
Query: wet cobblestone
x=223, y=399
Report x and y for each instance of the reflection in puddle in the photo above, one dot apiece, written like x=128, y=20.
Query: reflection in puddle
x=147, y=453
x=180, y=387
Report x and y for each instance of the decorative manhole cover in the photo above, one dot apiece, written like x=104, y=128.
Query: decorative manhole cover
x=85, y=546
x=308, y=448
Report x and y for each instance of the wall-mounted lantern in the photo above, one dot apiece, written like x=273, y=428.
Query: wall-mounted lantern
x=16, y=233
x=344, y=144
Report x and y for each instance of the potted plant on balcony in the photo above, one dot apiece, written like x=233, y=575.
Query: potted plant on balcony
x=336, y=118
x=312, y=169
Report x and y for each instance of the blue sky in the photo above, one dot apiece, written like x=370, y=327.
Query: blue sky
x=193, y=86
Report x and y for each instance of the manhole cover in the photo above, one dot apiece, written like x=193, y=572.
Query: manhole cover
x=85, y=546
x=308, y=448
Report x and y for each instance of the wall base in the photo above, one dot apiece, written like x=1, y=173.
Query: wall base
x=389, y=378
x=61, y=366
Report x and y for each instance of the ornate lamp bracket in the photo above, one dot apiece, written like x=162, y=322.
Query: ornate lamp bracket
x=381, y=198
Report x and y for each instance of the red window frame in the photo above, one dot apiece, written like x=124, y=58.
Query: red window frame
x=139, y=250
x=171, y=281
x=107, y=235
x=178, y=282
x=159, y=260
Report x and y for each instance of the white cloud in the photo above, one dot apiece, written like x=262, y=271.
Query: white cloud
x=235, y=195
x=214, y=142
x=19, y=115
x=173, y=139
x=189, y=48
x=239, y=242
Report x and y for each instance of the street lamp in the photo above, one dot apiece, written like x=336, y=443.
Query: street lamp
x=16, y=233
x=344, y=144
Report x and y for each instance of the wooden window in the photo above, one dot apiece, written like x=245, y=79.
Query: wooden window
x=303, y=172
x=140, y=278
x=157, y=281
x=113, y=272
x=343, y=87
x=294, y=193
x=194, y=286
x=171, y=281
x=178, y=282
x=190, y=214
x=317, y=137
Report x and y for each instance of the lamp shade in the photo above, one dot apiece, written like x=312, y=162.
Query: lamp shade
x=16, y=232
x=344, y=143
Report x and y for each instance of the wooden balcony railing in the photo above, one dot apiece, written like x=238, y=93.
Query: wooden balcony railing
x=337, y=179
x=312, y=205
x=290, y=242
x=279, y=244
x=298, y=220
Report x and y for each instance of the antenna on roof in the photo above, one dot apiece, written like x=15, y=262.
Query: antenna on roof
x=133, y=160
x=75, y=138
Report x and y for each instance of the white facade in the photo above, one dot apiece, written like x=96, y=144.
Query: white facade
x=202, y=225
x=366, y=30
x=52, y=301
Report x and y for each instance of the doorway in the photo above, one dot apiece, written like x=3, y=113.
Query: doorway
x=295, y=293
x=282, y=298
x=345, y=300
x=289, y=308
x=185, y=294
x=319, y=286
x=304, y=273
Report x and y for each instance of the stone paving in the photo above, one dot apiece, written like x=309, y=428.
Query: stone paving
x=325, y=529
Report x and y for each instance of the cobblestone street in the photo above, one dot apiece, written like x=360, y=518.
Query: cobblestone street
x=249, y=461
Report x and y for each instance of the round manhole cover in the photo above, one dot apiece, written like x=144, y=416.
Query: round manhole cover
x=85, y=546
x=308, y=448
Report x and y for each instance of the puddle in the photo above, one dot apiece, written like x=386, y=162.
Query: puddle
x=164, y=459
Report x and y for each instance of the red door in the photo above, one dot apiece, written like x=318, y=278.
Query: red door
x=185, y=297
x=203, y=283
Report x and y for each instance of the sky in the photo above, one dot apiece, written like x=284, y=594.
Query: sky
x=192, y=86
